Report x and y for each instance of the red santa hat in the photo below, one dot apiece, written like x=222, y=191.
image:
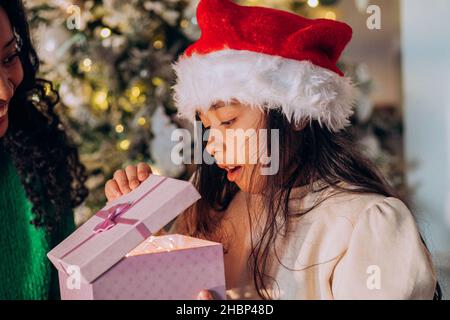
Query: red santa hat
x=266, y=58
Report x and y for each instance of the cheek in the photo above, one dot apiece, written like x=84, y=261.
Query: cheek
x=15, y=74
x=251, y=181
x=252, y=146
x=248, y=148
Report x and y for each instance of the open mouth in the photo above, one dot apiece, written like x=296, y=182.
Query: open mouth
x=232, y=169
x=233, y=172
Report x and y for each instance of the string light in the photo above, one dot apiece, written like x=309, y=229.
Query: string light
x=86, y=65
x=184, y=23
x=141, y=99
x=144, y=73
x=87, y=62
x=330, y=15
x=100, y=100
x=157, y=81
x=158, y=44
x=313, y=3
x=135, y=92
x=119, y=128
x=125, y=104
x=50, y=45
x=105, y=33
x=47, y=89
x=124, y=144
x=136, y=95
x=141, y=121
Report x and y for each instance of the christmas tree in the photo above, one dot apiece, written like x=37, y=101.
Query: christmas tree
x=111, y=63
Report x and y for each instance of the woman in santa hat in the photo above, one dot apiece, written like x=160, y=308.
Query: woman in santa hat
x=326, y=225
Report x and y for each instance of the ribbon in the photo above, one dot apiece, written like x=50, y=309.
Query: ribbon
x=113, y=216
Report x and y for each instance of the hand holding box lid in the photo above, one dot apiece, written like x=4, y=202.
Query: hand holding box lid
x=101, y=247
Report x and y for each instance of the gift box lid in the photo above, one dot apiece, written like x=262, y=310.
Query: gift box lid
x=121, y=226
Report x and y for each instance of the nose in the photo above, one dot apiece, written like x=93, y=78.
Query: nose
x=6, y=88
x=215, y=145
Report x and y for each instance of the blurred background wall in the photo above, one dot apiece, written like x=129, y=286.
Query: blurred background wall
x=426, y=82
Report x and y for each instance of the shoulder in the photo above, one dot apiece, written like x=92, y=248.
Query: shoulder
x=359, y=232
x=353, y=207
x=347, y=219
x=385, y=256
x=335, y=214
x=347, y=214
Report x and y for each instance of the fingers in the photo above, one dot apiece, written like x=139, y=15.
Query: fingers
x=121, y=179
x=131, y=172
x=143, y=171
x=205, y=295
x=112, y=190
x=126, y=180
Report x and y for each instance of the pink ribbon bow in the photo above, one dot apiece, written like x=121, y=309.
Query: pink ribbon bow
x=112, y=216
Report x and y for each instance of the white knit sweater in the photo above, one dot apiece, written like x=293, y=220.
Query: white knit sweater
x=351, y=246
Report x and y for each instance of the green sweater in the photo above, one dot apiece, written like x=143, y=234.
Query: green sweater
x=25, y=271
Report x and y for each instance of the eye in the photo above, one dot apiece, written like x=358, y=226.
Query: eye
x=227, y=123
x=11, y=59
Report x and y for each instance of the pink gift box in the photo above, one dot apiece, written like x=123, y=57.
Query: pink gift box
x=114, y=255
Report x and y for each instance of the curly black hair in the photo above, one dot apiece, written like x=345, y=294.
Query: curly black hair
x=44, y=156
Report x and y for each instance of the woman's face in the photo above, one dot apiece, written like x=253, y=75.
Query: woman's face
x=11, y=72
x=234, y=141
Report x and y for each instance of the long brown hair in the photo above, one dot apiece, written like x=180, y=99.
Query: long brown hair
x=45, y=157
x=309, y=155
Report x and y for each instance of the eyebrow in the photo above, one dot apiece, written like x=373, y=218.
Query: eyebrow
x=216, y=106
x=10, y=42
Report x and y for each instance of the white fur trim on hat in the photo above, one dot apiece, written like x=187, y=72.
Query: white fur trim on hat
x=301, y=89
